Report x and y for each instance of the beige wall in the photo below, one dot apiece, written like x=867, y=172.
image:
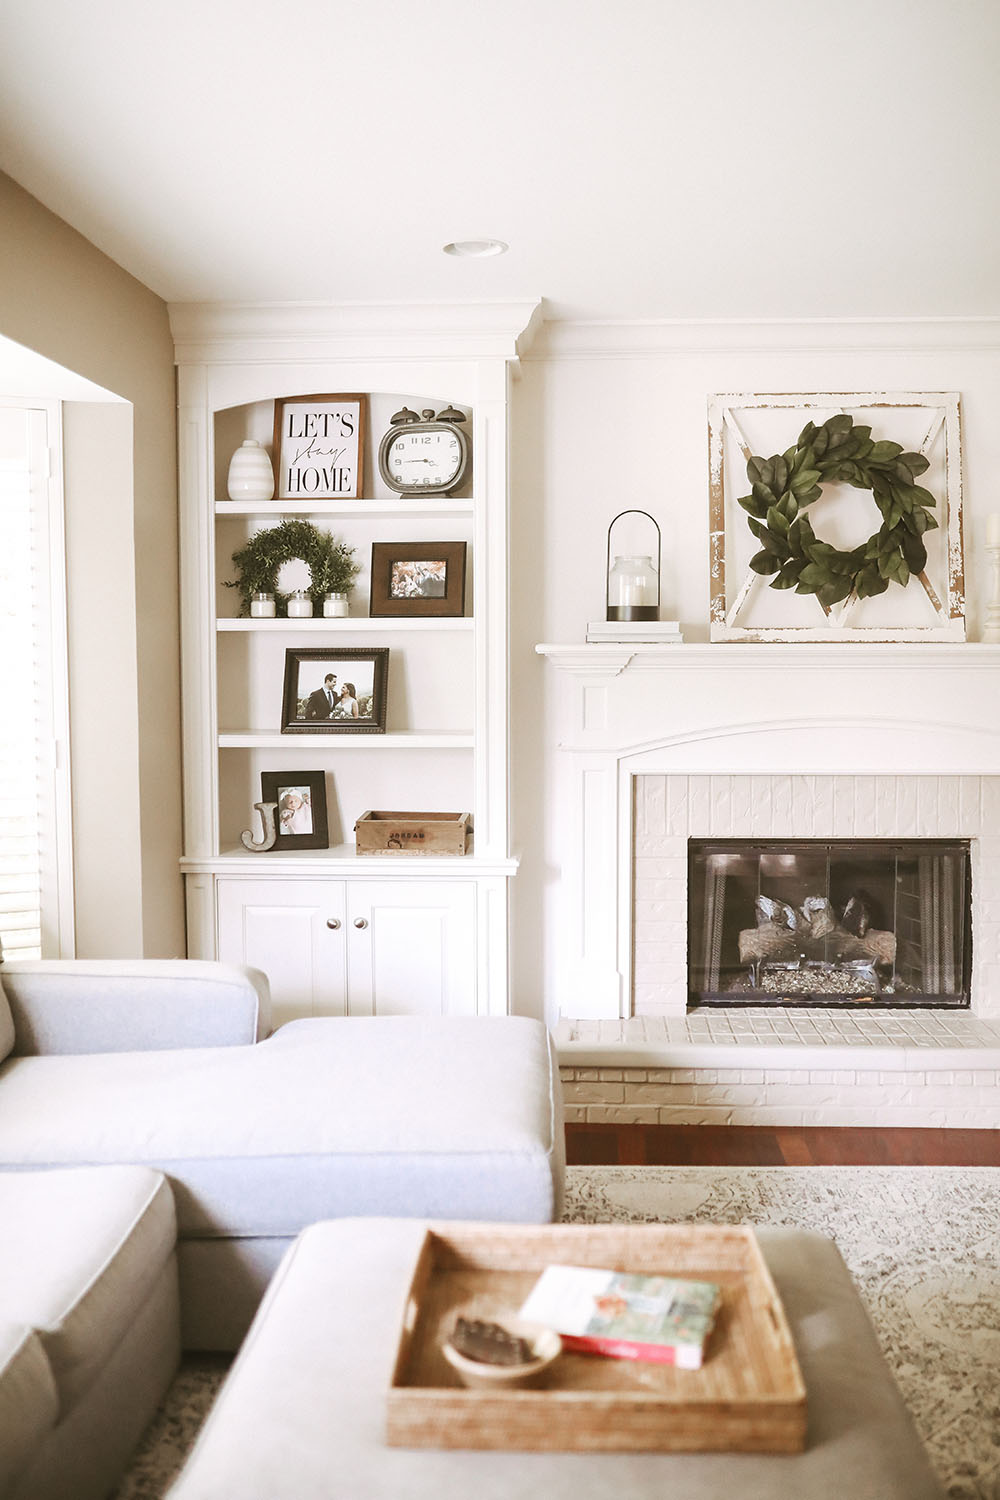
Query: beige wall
x=62, y=297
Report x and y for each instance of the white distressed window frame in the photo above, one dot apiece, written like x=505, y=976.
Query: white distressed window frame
x=730, y=593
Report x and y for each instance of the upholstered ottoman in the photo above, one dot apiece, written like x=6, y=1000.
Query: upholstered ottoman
x=302, y=1415
x=89, y=1325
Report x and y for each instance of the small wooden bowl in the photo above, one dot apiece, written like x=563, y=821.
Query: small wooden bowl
x=478, y=1375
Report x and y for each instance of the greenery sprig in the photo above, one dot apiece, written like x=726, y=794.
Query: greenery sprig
x=782, y=486
x=331, y=564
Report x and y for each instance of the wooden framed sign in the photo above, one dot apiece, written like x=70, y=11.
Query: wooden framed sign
x=319, y=447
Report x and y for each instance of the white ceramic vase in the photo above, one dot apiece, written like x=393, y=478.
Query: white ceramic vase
x=250, y=474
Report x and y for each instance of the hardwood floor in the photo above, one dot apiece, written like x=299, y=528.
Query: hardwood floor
x=761, y=1146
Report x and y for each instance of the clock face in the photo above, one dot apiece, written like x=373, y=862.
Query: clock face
x=424, y=459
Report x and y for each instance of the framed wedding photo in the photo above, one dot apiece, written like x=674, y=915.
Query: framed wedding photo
x=330, y=691
x=300, y=819
x=319, y=447
x=417, y=579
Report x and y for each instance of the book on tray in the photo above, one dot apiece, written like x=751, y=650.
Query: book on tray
x=660, y=1319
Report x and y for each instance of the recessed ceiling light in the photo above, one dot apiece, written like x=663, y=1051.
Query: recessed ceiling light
x=478, y=248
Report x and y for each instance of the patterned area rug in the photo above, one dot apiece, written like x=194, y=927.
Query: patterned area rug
x=921, y=1242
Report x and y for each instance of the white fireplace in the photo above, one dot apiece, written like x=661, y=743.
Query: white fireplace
x=659, y=744
x=663, y=744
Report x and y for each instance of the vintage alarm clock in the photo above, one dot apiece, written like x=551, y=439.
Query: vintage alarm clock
x=425, y=454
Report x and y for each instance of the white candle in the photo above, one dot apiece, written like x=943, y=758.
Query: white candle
x=300, y=606
x=993, y=530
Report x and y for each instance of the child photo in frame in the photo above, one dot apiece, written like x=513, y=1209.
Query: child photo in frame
x=300, y=819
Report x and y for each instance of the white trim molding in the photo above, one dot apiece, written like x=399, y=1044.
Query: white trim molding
x=652, y=340
x=224, y=332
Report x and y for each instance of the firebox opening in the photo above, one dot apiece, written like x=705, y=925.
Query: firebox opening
x=829, y=922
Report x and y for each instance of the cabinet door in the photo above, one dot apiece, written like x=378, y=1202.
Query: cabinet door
x=295, y=931
x=411, y=947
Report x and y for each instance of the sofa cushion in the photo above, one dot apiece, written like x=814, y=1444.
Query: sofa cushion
x=80, y=1252
x=29, y=1405
x=416, y=1116
x=6, y=1024
x=119, y=1005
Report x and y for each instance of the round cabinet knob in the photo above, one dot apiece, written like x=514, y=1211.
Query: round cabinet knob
x=360, y=921
x=333, y=923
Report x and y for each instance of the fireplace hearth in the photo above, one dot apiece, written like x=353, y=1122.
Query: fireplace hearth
x=829, y=922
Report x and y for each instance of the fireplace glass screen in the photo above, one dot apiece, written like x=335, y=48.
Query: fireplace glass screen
x=829, y=922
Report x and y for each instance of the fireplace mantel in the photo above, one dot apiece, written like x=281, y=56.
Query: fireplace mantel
x=852, y=708
x=735, y=710
x=605, y=656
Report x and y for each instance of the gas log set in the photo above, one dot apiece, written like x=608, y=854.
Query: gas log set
x=802, y=950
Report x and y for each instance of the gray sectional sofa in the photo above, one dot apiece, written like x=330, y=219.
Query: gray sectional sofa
x=168, y=1067
x=89, y=1324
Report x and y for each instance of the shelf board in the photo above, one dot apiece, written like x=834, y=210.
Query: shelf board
x=343, y=859
x=395, y=507
x=366, y=624
x=344, y=740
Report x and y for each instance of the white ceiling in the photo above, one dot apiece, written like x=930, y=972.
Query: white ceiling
x=645, y=159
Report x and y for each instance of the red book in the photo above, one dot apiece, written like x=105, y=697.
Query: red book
x=659, y=1319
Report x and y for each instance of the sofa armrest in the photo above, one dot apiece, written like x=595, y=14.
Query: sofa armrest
x=133, y=1005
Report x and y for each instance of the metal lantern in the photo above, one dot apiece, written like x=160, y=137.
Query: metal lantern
x=633, y=580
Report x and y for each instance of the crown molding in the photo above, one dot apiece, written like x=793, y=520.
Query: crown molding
x=637, y=340
x=239, y=332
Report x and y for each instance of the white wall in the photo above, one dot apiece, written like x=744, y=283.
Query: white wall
x=607, y=418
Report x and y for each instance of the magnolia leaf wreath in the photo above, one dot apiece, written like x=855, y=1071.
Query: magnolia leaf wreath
x=331, y=564
x=793, y=557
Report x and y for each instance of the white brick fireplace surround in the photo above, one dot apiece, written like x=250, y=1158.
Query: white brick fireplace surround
x=659, y=744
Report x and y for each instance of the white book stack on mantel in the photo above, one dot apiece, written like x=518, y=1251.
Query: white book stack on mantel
x=655, y=632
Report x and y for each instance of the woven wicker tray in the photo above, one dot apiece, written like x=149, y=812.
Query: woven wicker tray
x=747, y=1397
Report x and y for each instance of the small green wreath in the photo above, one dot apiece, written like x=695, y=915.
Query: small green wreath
x=793, y=557
x=331, y=564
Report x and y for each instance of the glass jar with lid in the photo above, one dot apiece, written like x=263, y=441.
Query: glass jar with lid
x=262, y=607
x=300, y=606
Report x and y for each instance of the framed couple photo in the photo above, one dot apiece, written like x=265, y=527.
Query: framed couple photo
x=330, y=691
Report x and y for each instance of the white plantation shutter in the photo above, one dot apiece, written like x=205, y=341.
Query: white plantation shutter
x=36, y=917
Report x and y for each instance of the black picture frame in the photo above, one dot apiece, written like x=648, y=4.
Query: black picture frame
x=289, y=823
x=401, y=571
x=307, y=670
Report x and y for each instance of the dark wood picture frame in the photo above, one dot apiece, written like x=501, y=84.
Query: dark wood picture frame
x=276, y=786
x=389, y=596
x=307, y=669
x=319, y=447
